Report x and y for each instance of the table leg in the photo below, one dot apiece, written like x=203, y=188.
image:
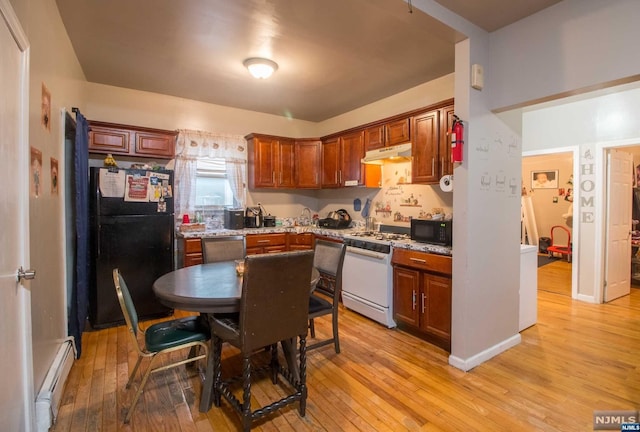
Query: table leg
x=207, y=385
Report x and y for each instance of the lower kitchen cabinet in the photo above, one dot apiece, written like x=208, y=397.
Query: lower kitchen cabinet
x=189, y=252
x=300, y=241
x=265, y=243
x=422, y=295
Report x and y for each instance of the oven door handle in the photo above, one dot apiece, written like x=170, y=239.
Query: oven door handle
x=367, y=253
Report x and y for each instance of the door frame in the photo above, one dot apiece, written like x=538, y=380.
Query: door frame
x=575, y=236
x=601, y=210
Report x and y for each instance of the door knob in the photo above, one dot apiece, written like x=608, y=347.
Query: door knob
x=26, y=274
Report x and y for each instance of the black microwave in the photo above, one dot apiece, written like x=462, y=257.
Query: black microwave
x=432, y=231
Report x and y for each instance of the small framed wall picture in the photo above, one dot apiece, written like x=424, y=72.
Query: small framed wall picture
x=35, y=179
x=46, y=108
x=544, y=179
x=54, y=176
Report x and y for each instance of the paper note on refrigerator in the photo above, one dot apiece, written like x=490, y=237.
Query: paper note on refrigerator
x=136, y=188
x=157, y=186
x=112, y=183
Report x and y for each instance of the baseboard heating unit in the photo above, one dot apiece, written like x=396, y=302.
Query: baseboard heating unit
x=49, y=397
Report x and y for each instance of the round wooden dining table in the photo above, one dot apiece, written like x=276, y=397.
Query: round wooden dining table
x=209, y=289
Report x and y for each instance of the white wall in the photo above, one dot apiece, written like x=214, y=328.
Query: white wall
x=53, y=63
x=571, y=46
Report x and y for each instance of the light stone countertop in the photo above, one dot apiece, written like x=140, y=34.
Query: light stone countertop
x=335, y=233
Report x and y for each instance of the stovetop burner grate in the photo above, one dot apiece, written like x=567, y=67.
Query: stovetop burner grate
x=380, y=235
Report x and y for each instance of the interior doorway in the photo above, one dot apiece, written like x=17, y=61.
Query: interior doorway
x=548, y=185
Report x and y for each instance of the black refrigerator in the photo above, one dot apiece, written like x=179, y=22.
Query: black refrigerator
x=134, y=236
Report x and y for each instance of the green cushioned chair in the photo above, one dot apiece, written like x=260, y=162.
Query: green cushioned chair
x=160, y=338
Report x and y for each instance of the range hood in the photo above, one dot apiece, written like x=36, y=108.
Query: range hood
x=397, y=153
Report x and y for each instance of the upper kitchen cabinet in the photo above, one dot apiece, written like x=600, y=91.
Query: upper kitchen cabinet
x=431, y=148
x=308, y=158
x=446, y=122
x=388, y=134
x=342, y=160
x=425, y=165
x=271, y=161
x=331, y=163
x=131, y=140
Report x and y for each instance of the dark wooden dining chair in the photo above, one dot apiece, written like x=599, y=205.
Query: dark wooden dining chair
x=160, y=338
x=273, y=307
x=223, y=248
x=325, y=299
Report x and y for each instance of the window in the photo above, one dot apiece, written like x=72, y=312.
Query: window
x=212, y=187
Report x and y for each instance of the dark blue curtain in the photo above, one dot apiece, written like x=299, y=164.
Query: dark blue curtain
x=80, y=294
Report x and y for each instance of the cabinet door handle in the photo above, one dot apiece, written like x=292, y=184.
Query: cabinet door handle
x=340, y=176
x=413, y=300
x=433, y=166
x=280, y=178
x=423, y=297
x=442, y=165
x=418, y=260
x=264, y=241
x=273, y=176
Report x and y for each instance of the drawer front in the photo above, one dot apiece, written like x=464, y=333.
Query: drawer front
x=192, y=259
x=422, y=261
x=301, y=239
x=262, y=240
x=192, y=245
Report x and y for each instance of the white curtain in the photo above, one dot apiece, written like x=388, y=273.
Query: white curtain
x=185, y=185
x=190, y=146
x=237, y=177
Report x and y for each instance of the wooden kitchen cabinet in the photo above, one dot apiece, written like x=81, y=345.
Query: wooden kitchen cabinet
x=131, y=140
x=422, y=295
x=308, y=159
x=342, y=160
x=388, y=134
x=189, y=251
x=425, y=149
x=331, y=163
x=300, y=241
x=446, y=121
x=266, y=243
x=271, y=161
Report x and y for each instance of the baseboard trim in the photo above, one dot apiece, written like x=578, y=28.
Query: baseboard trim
x=475, y=360
x=586, y=298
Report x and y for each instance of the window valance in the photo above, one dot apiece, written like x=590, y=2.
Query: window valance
x=193, y=144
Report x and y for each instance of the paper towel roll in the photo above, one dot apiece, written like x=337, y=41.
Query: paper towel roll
x=446, y=183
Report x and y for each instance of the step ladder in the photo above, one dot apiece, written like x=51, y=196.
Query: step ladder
x=528, y=226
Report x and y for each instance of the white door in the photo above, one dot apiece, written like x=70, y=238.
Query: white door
x=619, y=196
x=17, y=396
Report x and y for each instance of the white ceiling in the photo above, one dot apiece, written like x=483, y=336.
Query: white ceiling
x=333, y=55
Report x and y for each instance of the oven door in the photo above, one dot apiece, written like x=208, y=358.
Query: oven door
x=368, y=275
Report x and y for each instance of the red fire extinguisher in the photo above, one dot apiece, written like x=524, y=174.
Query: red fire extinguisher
x=457, y=139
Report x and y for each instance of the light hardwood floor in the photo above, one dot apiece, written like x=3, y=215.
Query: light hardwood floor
x=578, y=358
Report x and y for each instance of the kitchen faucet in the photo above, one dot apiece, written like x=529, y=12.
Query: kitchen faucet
x=305, y=216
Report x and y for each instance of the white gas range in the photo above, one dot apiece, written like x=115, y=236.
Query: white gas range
x=367, y=275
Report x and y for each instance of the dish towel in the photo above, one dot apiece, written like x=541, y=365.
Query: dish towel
x=365, y=210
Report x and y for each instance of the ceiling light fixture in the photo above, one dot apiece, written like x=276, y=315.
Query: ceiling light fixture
x=260, y=68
